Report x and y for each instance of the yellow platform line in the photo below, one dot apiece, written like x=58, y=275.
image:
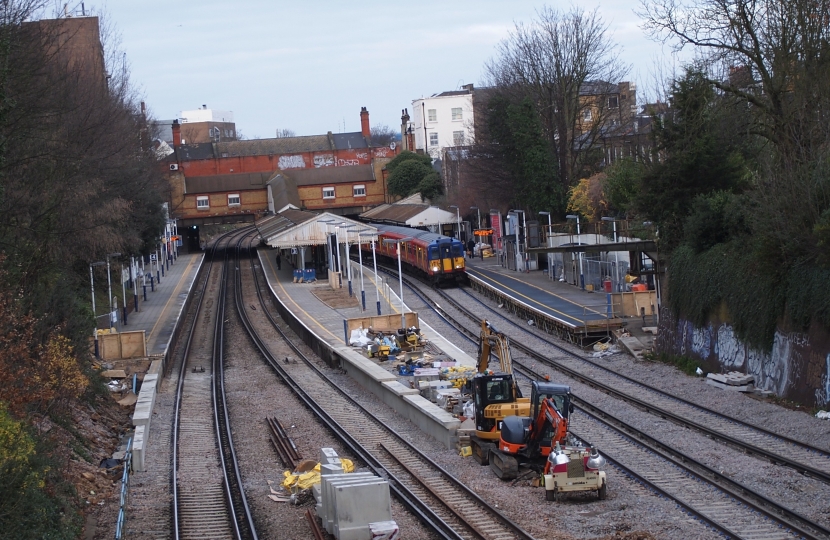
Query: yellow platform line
x=175, y=294
x=540, y=289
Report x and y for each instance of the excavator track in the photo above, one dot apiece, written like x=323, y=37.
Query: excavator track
x=504, y=466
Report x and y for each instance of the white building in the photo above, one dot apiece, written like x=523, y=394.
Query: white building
x=205, y=115
x=443, y=120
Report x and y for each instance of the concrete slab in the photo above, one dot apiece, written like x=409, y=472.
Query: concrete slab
x=634, y=346
x=326, y=509
x=358, y=505
x=138, y=448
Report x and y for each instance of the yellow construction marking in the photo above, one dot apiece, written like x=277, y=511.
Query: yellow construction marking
x=326, y=330
x=536, y=301
x=172, y=296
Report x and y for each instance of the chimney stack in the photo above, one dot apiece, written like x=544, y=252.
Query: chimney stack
x=177, y=133
x=364, y=123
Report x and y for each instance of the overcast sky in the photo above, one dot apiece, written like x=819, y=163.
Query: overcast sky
x=310, y=66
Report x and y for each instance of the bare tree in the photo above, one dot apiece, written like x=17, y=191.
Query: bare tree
x=773, y=57
x=566, y=64
x=281, y=133
x=382, y=135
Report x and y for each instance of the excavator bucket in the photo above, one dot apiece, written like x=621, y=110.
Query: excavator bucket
x=504, y=466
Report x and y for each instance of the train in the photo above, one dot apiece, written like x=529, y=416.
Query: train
x=439, y=257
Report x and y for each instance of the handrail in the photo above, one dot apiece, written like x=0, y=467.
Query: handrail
x=125, y=485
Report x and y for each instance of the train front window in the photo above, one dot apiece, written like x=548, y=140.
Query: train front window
x=445, y=251
x=456, y=250
x=433, y=253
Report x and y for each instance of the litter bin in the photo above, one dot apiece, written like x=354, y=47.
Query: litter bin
x=607, y=285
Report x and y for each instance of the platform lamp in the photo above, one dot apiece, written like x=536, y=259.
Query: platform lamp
x=109, y=282
x=549, y=242
x=348, y=229
x=579, y=253
x=94, y=315
x=458, y=217
x=616, y=261
x=400, y=271
x=373, y=235
x=360, y=258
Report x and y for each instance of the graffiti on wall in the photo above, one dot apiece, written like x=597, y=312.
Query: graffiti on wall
x=323, y=160
x=791, y=368
x=291, y=162
x=347, y=162
x=381, y=151
x=361, y=155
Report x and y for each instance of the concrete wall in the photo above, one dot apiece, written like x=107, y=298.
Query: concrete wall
x=797, y=367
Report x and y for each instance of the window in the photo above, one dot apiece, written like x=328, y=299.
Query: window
x=433, y=139
x=432, y=115
x=456, y=114
x=458, y=138
x=328, y=192
x=586, y=115
x=233, y=200
x=202, y=203
x=359, y=191
x=613, y=102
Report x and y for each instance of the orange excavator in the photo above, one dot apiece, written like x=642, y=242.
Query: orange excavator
x=544, y=436
x=531, y=438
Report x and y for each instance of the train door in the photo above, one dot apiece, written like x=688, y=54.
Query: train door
x=446, y=255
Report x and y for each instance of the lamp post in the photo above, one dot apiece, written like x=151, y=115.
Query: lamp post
x=458, y=217
x=523, y=225
x=123, y=295
x=94, y=315
x=348, y=228
x=375, y=263
x=109, y=283
x=579, y=242
x=616, y=261
x=400, y=271
x=478, y=212
x=360, y=232
x=501, y=232
x=549, y=242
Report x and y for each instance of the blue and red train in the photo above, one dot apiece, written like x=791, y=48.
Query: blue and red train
x=439, y=257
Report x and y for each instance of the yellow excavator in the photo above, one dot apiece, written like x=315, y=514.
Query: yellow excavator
x=495, y=393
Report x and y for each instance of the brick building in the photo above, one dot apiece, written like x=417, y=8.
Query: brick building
x=227, y=182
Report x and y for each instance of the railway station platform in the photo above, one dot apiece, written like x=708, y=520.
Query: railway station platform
x=159, y=314
x=320, y=324
x=558, y=307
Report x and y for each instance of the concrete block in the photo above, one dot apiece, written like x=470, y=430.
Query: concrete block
x=325, y=485
x=399, y=389
x=385, y=530
x=734, y=378
x=734, y=388
x=327, y=469
x=329, y=455
x=141, y=414
x=362, y=369
x=330, y=502
x=138, y=449
x=358, y=505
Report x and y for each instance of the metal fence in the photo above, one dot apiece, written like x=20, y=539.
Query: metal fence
x=125, y=486
x=594, y=268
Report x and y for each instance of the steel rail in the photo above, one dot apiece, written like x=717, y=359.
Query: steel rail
x=400, y=489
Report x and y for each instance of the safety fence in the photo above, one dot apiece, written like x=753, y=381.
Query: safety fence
x=594, y=269
x=125, y=486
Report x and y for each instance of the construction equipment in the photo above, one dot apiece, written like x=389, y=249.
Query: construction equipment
x=496, y=394
x=571, y=469
x=543, y=437
x=531, y=437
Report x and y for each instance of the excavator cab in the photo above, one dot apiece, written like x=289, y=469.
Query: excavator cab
x=491, y=390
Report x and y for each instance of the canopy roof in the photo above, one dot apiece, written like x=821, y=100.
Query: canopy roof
x=410, y=215
x=294, y=228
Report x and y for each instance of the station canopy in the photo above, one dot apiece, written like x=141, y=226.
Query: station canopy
x=406, y=213
x=291, y=227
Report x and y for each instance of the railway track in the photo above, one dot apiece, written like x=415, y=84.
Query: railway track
x=725, y=505
x=442, y=502
x=208, y=501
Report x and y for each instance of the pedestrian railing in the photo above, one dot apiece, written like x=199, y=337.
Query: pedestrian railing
x=125, y=487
